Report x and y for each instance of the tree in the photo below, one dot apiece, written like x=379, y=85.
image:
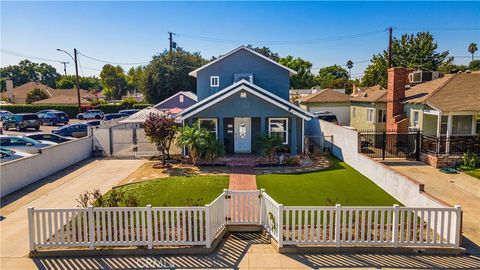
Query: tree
x=472, y=48
x=270, y=144
x=349, y=66
x=411, y=51
x=195, y=139
x=114, y=79
x=304, y=78
x=265, y=51
x=167, y=74
x=332, y=77
x=87, y=83
x=135, y=77
x=36, y=95
x=474, y=65
x=160, y=130
x=27, y=71
x=451, y=68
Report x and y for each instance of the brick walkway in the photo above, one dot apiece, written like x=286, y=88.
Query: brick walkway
x=242, y=178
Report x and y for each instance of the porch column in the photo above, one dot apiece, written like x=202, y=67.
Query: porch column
x=262, y=125
x=449, y=133
x=439, y=125
x=220, y=130
x=303, y=136
x=293, y=142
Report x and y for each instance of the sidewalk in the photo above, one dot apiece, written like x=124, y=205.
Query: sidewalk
x=454, y=189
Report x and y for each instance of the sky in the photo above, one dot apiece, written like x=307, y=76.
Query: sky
x=324, y=33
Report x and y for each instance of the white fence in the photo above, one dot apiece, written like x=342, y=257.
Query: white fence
x=19, y=173
x=392, y=226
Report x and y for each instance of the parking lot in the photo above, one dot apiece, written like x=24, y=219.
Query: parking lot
x=46, y=129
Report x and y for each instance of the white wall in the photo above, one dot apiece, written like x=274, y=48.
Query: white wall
x=19, y=173
x=345, y=146
x=342, y=113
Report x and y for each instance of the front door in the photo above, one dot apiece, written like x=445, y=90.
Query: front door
x=243, y=135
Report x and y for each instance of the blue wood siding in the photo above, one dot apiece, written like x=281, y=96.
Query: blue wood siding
x=174, y=102
x=267, y=75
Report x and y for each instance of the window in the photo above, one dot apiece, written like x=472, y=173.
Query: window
x=354, y=112
x=381, y=116
x=243, y=95
x=416, y=116
x=462, y=125
x=209, y=124
x=279, y=127
x=444, y=125
x=478, y=124
x=214, y=81
x=370, y=115
x=181, y=98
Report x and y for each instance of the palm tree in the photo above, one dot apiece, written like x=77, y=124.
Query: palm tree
x=472, y=48
x=349, y=66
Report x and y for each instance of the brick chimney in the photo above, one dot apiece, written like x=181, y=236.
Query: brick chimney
x=396, y=118
x=10, y=94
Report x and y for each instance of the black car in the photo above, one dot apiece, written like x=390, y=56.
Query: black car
x=48, y=137
x=54, y=117
x=94, y=123
x=110, y=116
x=22, y=121
x=128, y=112
x=75, y=130
x=326, y=116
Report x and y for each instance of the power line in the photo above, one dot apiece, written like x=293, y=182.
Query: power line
x=6, y=51
x=113, y=63
x=440, y=29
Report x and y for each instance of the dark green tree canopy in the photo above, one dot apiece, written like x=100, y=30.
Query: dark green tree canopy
x=27, y=71
x=114, y=81
x=87, y=83
x=412, y=51
x=265, y=51
x=304, y=78
x=332, y=77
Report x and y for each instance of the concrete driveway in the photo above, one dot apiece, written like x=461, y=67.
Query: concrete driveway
x=58, y=190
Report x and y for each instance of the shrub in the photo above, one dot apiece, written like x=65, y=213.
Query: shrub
x=269, y=145
x=293, y=161
x=470, y=160
x=36, y=95
x=197, y=140
x=161, y=130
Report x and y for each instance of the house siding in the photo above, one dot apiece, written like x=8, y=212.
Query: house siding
x=174, y=102
x=267, y=75
x=340, y=109
x=360, y=120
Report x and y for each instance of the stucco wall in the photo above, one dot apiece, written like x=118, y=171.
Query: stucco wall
x=360, y=120
x=344, y=144
x=22, y=172
x=265, y=74
x=341, y=110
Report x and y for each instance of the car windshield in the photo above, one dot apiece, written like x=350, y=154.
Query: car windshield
x=327, y=118
x=30, y=117
x=29, y=140
x=61, y=114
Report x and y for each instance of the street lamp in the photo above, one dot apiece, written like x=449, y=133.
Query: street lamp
x=74, y=58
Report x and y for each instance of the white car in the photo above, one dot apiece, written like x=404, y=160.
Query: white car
x=9, y=155
x=91, y=114
x=23, y=144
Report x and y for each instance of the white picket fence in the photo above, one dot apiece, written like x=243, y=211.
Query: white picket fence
x=148, y=226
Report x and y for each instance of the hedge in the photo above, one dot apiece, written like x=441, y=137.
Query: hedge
x=70, y=110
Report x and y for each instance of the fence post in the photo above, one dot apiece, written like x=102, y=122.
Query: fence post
x=280, y=225
x=458, y=225
x=208, y=226
x=91, y=228
x=396, y=212
x=149, y=226
x=262, y=205
x=110, y=140
x=384, y=144
x=338, y=210
x=418, y=145
x=31, y=229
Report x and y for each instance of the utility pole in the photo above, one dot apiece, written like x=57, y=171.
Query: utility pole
x=390, y=29
x=77, y=80
x=170, y=38
x=65, y=67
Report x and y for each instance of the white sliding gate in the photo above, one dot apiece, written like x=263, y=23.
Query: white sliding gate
x=392, y=226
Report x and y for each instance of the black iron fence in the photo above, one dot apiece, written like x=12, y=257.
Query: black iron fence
x=390, y=144
x=455, y=145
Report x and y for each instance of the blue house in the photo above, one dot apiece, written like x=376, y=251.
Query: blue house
x=242, y=95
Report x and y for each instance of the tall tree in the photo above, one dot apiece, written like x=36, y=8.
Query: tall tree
x=332, y=77
x=412, y=51
x=304, y=78
x=167, y=74
x=114, y=80
x=27, y=71
x=87, y=83
x=135, y=77
x=472, y=48
x=266, y=52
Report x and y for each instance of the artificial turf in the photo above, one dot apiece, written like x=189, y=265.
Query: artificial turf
x=338, y=184
x=474, y=173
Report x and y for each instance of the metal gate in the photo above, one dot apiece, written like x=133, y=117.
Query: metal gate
x=390, y=144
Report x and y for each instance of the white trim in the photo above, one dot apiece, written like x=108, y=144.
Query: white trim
x=373, y=115
x=184, y=93
x=303, y=136
x=413, y=118
x=194, y=72
x=264, y=95
x=212, y=78
x=209, y=119
x=286, y=126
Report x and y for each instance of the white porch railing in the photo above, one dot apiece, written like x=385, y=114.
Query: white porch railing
x=392, y=226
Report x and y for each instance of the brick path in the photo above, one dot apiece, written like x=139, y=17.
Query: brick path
x=242, y=178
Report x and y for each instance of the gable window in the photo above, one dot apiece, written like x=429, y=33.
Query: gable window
x=209, y=124
x=279, y=127
x=181, y=98
x=381, y=116
x=214, y=81
x=370, y=115
x=416, y=117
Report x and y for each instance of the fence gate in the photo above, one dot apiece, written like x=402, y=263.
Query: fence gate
x=390, y=144
x=243, y=207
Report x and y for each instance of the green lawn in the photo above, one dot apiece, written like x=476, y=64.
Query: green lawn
x=474, y=173
x=178, y=191
x=339, y=184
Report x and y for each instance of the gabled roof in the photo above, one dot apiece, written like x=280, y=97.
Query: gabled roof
x=326, y=95
x=188, y=94
x=249, y=87
x=371, y=94
x=62, y=100
x=22, y=91
x=194, y=73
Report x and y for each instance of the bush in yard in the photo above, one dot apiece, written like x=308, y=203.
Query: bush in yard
x=129, y=102
x=36, y=95
x=269, y=144
x=160, y=130
x=195, y=139
x=213, y=148
x=293, y=161
x=470, y=161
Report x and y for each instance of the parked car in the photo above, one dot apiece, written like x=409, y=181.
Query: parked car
x=53, y=118
x=23, y=143
x=4, y=114
x=326, y=116
x=91, y=114
x=75, y=130
x=128, y=112
x=48, y=137
x=94, y=123
x=110, y=116
x=22, y=121
x=9, y=155
x=43, y=112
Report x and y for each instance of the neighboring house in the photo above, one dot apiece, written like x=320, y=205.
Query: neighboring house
x=19, y=94
x=63, y=100
x=368, y=109
x=178, y=102
x=331, y=101
x=243, y=95
x=296, y=94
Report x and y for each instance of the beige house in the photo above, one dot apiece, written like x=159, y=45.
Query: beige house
x=329, y=100
x=368, y=109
